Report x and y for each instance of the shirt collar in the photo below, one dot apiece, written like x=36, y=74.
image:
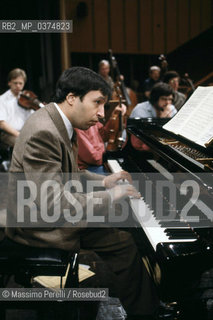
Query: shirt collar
x=67, y=123
x=12, y=95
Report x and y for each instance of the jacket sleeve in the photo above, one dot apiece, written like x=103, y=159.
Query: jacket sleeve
x=54, y=191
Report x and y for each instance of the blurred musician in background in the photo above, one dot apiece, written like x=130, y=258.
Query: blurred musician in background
x=173, y=79
x=104, y=71
x=154, y=77
x=12, y=116
x=159, y=105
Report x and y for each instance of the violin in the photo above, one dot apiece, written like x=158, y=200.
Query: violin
x=116, y=141
x=29, y=100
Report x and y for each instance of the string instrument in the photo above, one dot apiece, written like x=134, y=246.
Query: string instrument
x=127, y=94
x=29, y=100
x=116, y=127
x=116, y=122
x=163, y=64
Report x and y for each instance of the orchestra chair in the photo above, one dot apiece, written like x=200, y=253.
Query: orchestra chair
x=25, y=262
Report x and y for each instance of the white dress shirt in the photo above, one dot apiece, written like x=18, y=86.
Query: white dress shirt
x=11, y=112
x=67, y=122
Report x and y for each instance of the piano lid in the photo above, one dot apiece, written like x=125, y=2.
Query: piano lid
x=175, y=148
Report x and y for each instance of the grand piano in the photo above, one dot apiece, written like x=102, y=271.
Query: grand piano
x=177, y=251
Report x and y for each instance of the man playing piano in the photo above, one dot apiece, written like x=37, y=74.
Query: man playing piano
x=47, y=146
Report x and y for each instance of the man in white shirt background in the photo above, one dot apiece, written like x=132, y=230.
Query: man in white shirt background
x=12, y=115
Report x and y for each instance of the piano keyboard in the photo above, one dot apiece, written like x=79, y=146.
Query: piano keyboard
x=152, y=226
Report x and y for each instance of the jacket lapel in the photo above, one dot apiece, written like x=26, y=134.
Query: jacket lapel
x=59, y=123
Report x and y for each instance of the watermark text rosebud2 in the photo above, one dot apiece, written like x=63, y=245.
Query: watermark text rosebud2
x=60, y=201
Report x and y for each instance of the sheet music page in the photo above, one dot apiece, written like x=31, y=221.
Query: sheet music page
x=194, y=120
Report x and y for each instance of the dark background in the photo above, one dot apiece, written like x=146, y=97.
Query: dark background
x=40, y=54
x=37, y=54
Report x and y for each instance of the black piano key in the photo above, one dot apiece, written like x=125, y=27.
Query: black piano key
x=179, y=231
x=170, y=224
x=181, y=237
x=180, y=234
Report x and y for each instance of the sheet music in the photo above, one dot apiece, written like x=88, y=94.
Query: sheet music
x=194, y=120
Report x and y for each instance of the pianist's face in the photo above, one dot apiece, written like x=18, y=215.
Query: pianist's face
x=164, y=101
x=87, y=111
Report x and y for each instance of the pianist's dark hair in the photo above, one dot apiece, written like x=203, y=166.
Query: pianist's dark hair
x=80, y=81
x=160, y=89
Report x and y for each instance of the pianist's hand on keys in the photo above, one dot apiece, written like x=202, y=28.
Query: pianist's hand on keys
x=120, y=186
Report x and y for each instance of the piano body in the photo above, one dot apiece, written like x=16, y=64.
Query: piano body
x=175, y=252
